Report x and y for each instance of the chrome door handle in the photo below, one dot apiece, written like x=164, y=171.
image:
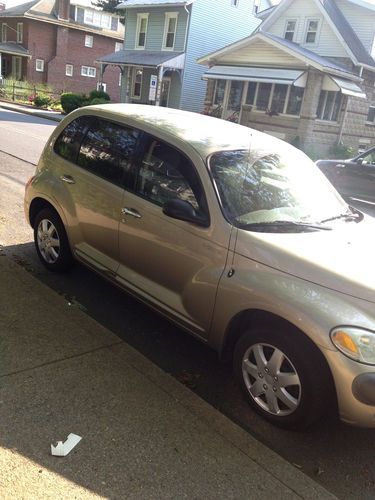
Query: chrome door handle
x=131, y=211
x=68, y=179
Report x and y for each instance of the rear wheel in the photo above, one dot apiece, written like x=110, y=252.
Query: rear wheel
x=51, y=241
x=283, y=376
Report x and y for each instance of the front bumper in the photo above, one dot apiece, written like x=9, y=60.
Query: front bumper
x=355, y=389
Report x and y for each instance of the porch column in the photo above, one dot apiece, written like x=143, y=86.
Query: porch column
x=128, y=83
x=158, y=89
x=308, y=109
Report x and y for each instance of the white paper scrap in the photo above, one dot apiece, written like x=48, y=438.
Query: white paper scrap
x=62, y=449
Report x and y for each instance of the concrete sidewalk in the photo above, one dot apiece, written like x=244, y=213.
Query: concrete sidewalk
x=30, y=110
x=144, y=434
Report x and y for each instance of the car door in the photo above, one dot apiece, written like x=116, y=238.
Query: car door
x=356, y=178
x=91, y=175
x=171, y=264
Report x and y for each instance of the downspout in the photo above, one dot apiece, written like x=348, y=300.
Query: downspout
x=187, y=25
x=343, y=121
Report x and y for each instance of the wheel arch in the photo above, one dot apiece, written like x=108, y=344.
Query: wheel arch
x=38, y=204
x=251, y=319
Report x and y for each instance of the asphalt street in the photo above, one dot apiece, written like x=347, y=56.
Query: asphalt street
x=337, y=456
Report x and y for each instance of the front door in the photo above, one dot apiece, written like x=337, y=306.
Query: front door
x=171, y=264
x=164, y=95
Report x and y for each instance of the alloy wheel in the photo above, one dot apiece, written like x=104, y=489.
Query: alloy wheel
x=48, y=241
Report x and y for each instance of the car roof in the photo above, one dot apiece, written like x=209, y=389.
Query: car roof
x=205, y=133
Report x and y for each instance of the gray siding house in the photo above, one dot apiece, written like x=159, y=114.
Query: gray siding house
x=305, y=75
x=164, y=38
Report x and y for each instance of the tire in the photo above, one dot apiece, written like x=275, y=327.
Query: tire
x=283, y=376
x=51, y=241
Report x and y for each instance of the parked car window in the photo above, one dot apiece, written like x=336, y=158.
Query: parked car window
x=68, y=142
x=166, y=174
x=107, y=150
x=368, y=159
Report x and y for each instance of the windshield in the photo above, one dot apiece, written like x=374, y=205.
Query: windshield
x=263, y=186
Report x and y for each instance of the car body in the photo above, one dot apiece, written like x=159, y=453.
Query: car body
x=232, y=234
x=354, y=178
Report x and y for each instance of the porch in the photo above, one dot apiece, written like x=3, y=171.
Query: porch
x=12, y=61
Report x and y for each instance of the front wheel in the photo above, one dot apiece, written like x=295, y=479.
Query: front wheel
x=51, y=241
x=283, y=376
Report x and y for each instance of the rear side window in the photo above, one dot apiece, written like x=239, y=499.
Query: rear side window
x=67, y=144
x=107, y=150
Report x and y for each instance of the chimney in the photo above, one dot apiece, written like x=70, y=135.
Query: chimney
x=62, y=8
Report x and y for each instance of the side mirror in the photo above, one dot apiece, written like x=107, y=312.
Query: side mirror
x=183, y=210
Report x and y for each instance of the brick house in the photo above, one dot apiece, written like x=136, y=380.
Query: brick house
x=57, y=43
x=305, y=75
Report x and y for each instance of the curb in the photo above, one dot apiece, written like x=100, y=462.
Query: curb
x=40, y=114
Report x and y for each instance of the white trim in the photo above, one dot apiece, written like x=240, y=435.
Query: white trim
x=86, y=70
x=70, y=72
x=39, y=65
x=89, y=41
x=4, y=32
x=135, y=69
x=168, y=17
x=309, y=20
x=140, y=17
x=118, y=46
x=295, y=31
x=19, y=33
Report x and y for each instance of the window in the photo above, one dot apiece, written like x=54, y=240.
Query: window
x=69, y=69
x=371, y=114
x=68, y=142
x=290, y=29
x=170, y=27
x=4, y=29
x=19, y=32
x=329, y=105
x=219, y=92
x=89, y=40
x=88, y=71
x=137, y=83
x=276, y=98
x=97, y=18
x=118, y=46
x=140, y=39
x=107, y=150
x=312, y=27
x=39, y=65
x=101, y=86
x=166, y=174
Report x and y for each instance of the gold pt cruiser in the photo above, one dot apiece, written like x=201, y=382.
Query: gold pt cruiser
x=234, y=235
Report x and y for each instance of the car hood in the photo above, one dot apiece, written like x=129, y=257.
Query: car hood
x=341, y=259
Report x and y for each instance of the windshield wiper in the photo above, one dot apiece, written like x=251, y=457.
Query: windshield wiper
x=285, y=224
x=350, y=215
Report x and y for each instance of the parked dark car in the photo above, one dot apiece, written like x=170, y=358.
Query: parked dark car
x=353, y=178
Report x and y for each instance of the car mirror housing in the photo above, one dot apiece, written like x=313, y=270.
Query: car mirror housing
x=183, y=210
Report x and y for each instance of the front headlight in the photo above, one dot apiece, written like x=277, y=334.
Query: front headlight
x=356, y=343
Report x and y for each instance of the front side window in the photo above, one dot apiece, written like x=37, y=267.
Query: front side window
x=170, y=27
x=68, y=142
x=266, y=185
x=137, y=83
x=166, y=174
x=19, y=32
x=39, y=65
x=290, y=29
x=88, y=71
x=142, y=22
x=89, y=40
x=4, y=32
x=312, y=27
x=107, y=150
x=329, y=105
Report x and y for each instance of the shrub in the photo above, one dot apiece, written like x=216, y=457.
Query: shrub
x=99, y=94
x=99, y=100
x=71, y=101
x=341, y=151
x=42, y=101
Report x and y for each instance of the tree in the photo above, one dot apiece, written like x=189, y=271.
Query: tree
x=107, y=5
